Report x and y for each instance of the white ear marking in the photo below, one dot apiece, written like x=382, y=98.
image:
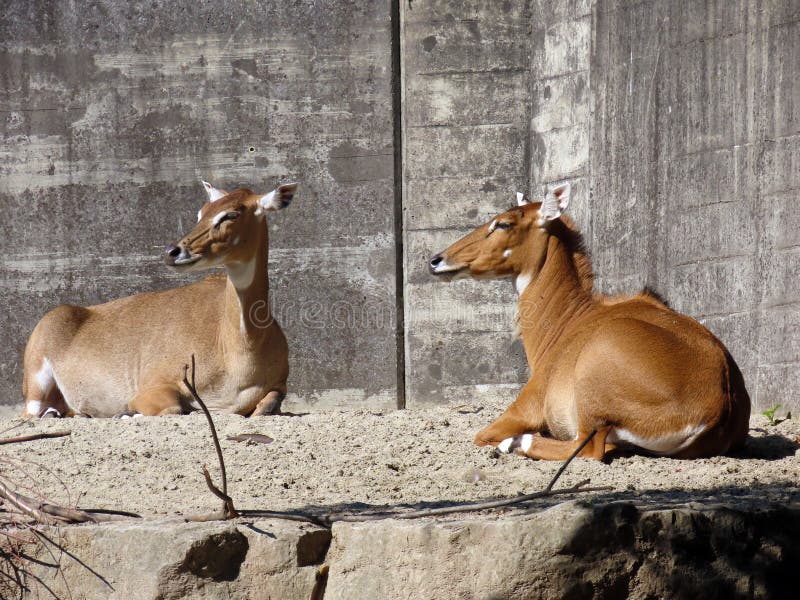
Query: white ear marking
x=555, y=203
x=212, y=192
x=277, y=199
x=521, y=199
x=265, y=203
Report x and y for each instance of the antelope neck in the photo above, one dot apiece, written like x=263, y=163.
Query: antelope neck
x=247, y=293
x=553, y=298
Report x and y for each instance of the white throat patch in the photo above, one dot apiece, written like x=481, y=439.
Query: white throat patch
x=521, y=282
x=242, y=275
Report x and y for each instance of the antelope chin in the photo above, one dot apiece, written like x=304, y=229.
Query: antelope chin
x=452, y=274
x=185, y=263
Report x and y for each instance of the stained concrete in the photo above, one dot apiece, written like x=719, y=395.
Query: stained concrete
x=675, y=121
x=112, y=112
x=572, y=550
x=169, y=558
x=466, y=148
x=694, y=171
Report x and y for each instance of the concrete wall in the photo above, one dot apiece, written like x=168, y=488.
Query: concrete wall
x=676, y=122
x=110, y=112
x=496, y=100
x=466, y=149
x=695, y=171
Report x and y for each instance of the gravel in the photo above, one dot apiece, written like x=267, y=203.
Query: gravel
x=350, y=460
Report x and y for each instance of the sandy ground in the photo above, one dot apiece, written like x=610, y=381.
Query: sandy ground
x=345, y=460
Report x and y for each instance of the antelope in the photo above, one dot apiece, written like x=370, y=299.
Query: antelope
x=610, y=372
x=125, y=357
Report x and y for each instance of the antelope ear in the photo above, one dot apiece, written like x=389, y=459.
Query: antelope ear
x=522, y=199
x=555, y=203
x=277, y=199
x=213, y=193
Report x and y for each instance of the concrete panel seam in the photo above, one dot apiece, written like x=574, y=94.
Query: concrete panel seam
x=397, y=137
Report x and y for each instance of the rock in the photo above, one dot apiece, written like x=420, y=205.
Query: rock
x=171, y=559
x=572, y=551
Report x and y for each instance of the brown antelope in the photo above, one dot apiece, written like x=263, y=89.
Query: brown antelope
x=127, y=356
x=639, y=374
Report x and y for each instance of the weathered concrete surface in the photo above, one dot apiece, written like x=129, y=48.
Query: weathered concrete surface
x=262, y=559
x=695, y=172
x=573, y=550
x=110, y=112
x=677, y=124
x=675, y=121
x=466, y=83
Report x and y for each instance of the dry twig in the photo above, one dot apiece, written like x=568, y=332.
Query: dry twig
x=51, y=513
x=24, y=520
x=35, y=436
x=476, y=506
x=228, y=510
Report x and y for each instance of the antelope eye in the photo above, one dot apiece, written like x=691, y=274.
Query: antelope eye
x=502, y=225
x=230, y=216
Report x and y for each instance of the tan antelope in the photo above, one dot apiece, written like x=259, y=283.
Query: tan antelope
x=639, y=374
x=127, y=356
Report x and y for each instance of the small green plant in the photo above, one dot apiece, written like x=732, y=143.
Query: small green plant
x=770, y=414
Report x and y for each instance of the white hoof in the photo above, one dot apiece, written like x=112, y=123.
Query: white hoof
x=504, y=447
x=520, y=443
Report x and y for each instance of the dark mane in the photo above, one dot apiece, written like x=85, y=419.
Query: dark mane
x=648, y=291
x=564, y=228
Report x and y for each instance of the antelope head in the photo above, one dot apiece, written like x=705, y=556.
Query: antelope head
x=225, y=226
x=513, y=242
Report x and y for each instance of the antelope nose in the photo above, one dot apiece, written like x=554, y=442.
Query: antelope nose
x=171, y=254
x=436, y=261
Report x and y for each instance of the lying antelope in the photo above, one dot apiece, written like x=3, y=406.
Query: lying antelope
x=639, y=374
x=126, y=356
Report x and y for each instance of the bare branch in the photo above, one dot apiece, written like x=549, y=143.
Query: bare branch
x=446, y=510
x=227, y=507
x=51, y=513
x=565, y=464
x=35, y=436
x=229, y=510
